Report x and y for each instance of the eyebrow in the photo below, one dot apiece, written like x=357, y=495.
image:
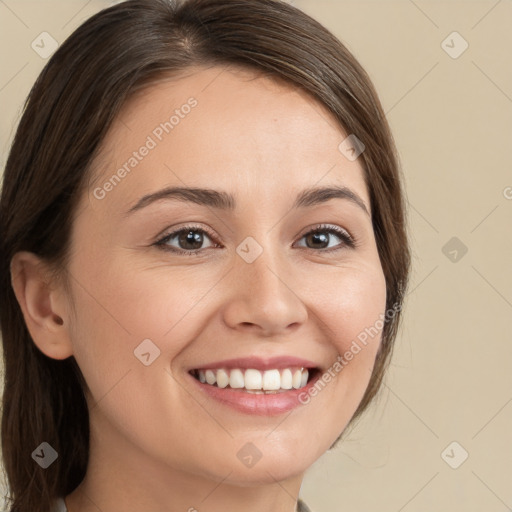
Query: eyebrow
x=225, y=201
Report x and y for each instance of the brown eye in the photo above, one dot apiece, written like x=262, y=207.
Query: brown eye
x=321, y=237
x=188, y=240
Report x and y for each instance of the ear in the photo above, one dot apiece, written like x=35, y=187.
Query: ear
x=44, y=305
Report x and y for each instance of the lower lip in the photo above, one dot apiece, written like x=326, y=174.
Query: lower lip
x=271, y=404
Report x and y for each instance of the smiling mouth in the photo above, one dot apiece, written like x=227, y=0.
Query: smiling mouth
x=255, y=381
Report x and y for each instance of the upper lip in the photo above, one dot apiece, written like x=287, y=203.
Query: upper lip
x=259, y=363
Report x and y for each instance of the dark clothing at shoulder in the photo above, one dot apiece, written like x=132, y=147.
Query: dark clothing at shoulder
x=302, y=507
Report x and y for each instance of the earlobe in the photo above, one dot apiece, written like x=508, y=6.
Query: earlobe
x=42, y=305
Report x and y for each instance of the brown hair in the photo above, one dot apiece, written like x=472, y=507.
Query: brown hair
x=66, y=116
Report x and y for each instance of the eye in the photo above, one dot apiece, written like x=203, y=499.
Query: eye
x=189, y=240
x=318, y=238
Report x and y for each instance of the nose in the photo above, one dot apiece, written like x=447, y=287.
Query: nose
x=262, y=297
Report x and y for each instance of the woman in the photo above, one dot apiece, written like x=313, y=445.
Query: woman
x=203, y=261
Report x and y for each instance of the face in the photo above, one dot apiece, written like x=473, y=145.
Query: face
x=174, y=288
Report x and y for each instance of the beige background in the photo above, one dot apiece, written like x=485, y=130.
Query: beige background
x=450, y=379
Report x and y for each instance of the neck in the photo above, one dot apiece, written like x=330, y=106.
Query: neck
x=120, y=476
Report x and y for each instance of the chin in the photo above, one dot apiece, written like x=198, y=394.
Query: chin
x=266, y=474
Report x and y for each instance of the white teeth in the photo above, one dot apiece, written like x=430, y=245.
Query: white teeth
x=271, y=380
x=297, y=379
x=222, y=378
x=210, y=377
x=255, y=381
x=286, y=379
x=236, y=379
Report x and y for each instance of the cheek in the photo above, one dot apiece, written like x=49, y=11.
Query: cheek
x=352, y=305
x=126, y=304
x=124, y=313
x=352, y=311
x=121, y=306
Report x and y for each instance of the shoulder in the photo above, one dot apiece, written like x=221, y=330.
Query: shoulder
x=59, y=506
x=302, y=507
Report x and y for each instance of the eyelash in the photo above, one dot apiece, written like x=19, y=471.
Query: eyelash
x=348, y=240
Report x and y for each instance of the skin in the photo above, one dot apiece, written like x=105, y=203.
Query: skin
x=156, y=442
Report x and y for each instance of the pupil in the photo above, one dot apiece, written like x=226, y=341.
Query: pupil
x=319, y=238
x=191, y=237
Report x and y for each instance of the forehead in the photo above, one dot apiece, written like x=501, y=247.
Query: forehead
x=226, y=128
